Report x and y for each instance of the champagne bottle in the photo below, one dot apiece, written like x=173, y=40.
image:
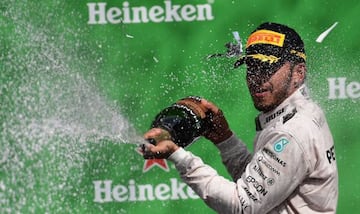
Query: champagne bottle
x=183, y=122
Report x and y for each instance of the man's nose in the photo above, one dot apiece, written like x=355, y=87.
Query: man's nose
x=256, y=80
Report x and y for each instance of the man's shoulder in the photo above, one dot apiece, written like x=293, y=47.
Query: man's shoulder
x=308, y=114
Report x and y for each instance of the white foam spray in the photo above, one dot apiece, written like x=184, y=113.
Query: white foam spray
x=324, y=34
x=51, y=115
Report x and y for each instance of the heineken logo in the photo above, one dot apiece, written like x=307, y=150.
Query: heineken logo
x=150, y=163
x=106, y=191
x=342, y=88
x=102, y=13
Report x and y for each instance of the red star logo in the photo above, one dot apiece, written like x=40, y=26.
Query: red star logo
x=150, y=163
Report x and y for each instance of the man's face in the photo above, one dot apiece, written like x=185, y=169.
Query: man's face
x=269, y=89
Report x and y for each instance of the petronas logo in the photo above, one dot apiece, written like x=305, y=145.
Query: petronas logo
x=279, y=146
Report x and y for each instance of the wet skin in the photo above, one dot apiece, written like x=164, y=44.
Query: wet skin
x=270, y=90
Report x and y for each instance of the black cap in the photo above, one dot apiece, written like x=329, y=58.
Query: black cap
x=271, y=44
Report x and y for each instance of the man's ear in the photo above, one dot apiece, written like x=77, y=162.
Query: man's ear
x=300, y=73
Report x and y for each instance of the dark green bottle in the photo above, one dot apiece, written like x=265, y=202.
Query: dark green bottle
x=185, y=121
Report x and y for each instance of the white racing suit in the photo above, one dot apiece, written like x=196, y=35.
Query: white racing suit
x=292, y=170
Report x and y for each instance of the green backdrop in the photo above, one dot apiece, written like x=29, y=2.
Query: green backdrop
x=82, y=80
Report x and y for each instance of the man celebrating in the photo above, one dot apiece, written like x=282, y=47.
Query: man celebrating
x=293, y=167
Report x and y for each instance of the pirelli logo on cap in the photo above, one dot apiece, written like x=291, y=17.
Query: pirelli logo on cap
x=266, y=37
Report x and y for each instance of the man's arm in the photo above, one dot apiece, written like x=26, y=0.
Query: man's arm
x=269, y=178
x=235, y=156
